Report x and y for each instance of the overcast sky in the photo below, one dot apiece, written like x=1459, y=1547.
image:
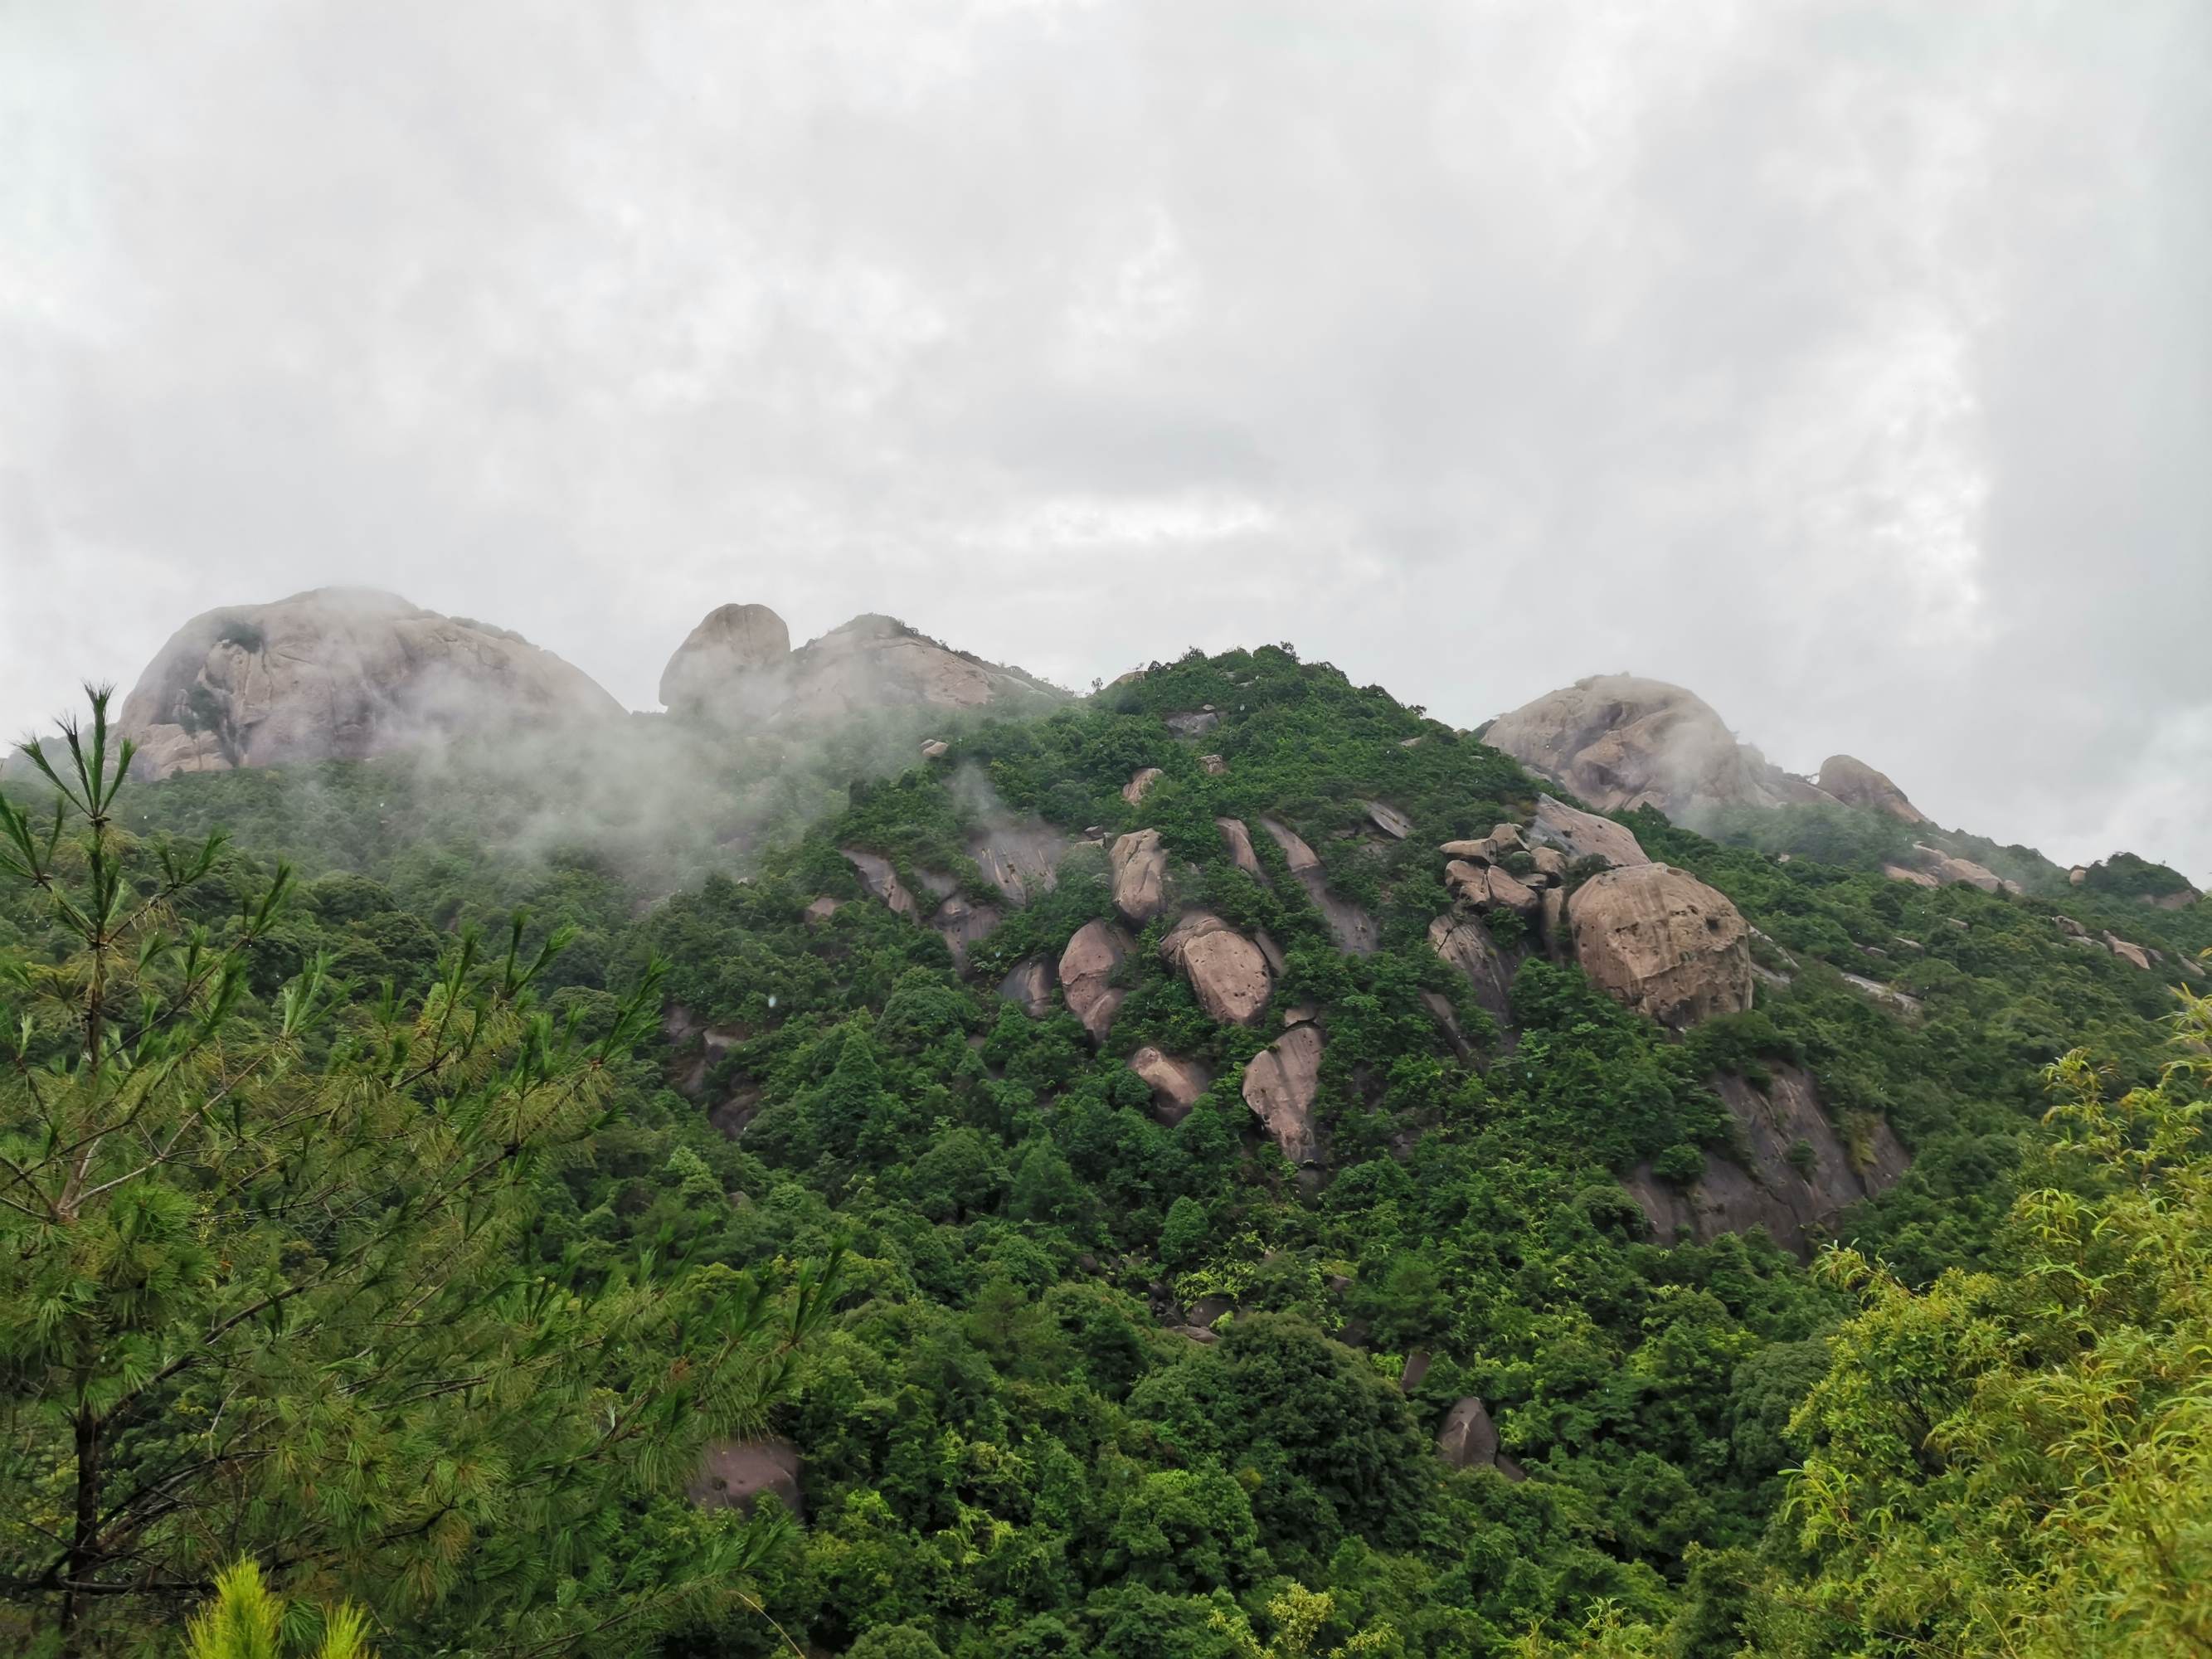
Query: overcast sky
x=1850, y=364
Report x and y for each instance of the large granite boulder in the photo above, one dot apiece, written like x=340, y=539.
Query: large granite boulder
x=1580, y=835
x=1660, y=941
x=340, y=673
x=1854, y=783
x=1085, y=966
x=732, y=641
x=1228, y=973
x=882, y=882
x=1352, y=928
x=735, y=1475
x=1238, y=840
x=1469, y=1440
x=1138, y=864
x=1020, y=858
x=1281, y=1083
x=1467, y=945
x=1620, y=742
x=1176, y=1083
x=1029, y=987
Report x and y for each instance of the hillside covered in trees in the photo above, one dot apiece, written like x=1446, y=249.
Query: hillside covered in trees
x=1202, y=1170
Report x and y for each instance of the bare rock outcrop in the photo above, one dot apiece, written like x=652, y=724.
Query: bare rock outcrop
x=870, y=663
x=961, y=924
x=1620, y=742
x=1139, y=863
x=1085, y=966
x=1659, y=940
x=1801, y=1172
x=1281, y=1083
x=1580, y=835
x=1469, y=1440
x=731, y=642
x=1917, y=878
x=1467, y=945
x=735, y=1475
x=1141, y=784
x=882, y=882
x=1238, y=840
x=1020, y=858
x=1388, y=819
x=1952, y=871
x=1176, y=1083
x=339, y=673
x=1351, y=926
x=1227, y=972
x=1854, y=783
x=1029, y=987
x=2134, y=955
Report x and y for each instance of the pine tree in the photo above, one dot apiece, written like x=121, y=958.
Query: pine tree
x=260, y=1292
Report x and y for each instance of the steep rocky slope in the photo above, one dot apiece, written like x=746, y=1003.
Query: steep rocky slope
x=340, y=673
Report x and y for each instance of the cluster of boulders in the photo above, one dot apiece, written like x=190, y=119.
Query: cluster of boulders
x=2135, y=956
x=1932, y=867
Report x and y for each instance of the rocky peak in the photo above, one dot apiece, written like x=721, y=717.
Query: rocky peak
x=1854, y=783
x=339, y=673
x=733, y=640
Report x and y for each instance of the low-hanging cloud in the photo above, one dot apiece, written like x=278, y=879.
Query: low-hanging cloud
x=1847, y=363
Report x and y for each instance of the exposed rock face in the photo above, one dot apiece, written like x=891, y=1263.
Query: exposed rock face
x=1774, y=1192
x=1917, y=878
x=1854, y=783
x=1353, y=928
x=1141, y=784
x=1620, y=742
x=1139, y=866
x=1227, y=972
x=734, y=1473
x=339, y=673
x=733, y=640
x=1888, y=995
x=1029, y=987
x=1469, y=1440
x=1950, y=871
x=1280, y=1085
x=1021, y=859
x=1196, y=723
x=882, y=882
x=1238, y=840
x=2134, y=955
x=871, y=662
x=821, y=910
x=1084, y=967
x=1176, y=1083
x=1388, y=819
x=1659, y=940
x=961, y=924
x=1467, y=946
x=1581, y=835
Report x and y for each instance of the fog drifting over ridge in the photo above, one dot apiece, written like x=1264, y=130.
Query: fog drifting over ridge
x=1847, y=364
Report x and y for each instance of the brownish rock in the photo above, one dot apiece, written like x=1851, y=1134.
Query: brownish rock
x=1227, y=973
x=2134, y=955
x=1469, y=851
x=882, y=882
x=1281, y=1085
x=1579, y=835
x=1468, y=1438
x=961, y=924
x=1950, y=871
x=731, y=640
x=1508, y=892
x=1139, y=866
x=1439, y=1006
x=1029, y=987
x=1085, y=968
x=1020, y=858
x=1176, y=1083
x=1917, y=878
x=1141, y=784
x=1660, y=941
x=1549, y=861
x=821, y=910
x=935, y=749
x=1551, y=925
x=1467, y=945
x=1238, y=840
x=1854, y=783
x=1214, y=765
x=1352, y=928
x=1388, y=819
x=339, y=673
x=869, y=664
x=735, y=1475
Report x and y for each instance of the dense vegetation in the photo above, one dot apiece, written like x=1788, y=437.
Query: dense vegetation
x=1011, y=1446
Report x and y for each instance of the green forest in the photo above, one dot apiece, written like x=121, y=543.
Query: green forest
x=413, y=1175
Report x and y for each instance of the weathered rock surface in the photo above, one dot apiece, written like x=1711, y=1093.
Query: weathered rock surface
x=1176, y=1083
x=821, y=910
x=1020, y=858
x=1469, y=1440
x=1227, y=972
x=1238, y=840
x=339, y=673
x=961, y=924
x=1854, y=783
x=1889, y=996
x=1139, y=866
x=730, y=641
x=1214, y=764
x=882, y=882
x=1388, y=819
x=1659, y=940
x=1281, y=1085
x=1950, y=871
x=1439, y=1006
x=1917, y=878
x=1085, y=968
x=1141, y=784
x=1193, y=723
x=1352, y=928
x=1580, y=835
x=1467, y=945
x=735, y=1475
x=870, y=663
x=1773, y=1192
x=2134, y=955
x=1029, y=987
x=1620, y=742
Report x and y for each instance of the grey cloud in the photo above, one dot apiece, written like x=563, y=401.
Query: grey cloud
x=1847, y=363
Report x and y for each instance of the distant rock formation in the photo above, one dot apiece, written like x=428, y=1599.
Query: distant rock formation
x=1281, y=1083
x=1801, y=1170
x=1352, y=928
x=1854, y=783
x=1620, y=742
x=339, y=673
x=738, y=666
x=1660, y=941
